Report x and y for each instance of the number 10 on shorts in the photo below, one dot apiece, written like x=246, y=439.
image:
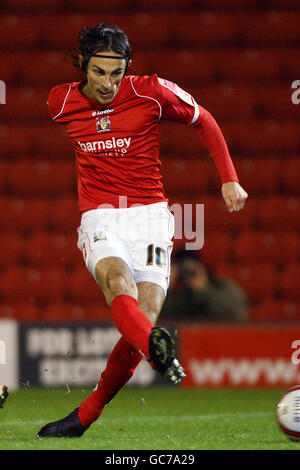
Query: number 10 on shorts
x=156, y=255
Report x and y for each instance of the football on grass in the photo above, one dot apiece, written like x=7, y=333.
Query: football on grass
x=288, y=413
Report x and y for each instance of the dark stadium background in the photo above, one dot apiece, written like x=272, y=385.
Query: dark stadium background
x=239, y=60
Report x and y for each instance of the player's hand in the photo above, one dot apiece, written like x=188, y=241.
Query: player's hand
x=234, y=196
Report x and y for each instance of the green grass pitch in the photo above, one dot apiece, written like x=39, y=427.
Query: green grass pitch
x=158, y=418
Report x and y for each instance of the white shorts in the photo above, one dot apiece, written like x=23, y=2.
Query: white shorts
x=141, y=236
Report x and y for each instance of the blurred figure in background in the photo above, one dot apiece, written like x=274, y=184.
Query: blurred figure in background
x=196, y=294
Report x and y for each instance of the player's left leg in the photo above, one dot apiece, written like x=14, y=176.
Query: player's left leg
x=123, y=359
x=120, y=367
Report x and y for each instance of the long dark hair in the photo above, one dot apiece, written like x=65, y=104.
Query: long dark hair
x=101, y=38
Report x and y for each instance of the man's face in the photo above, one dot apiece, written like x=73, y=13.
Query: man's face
x=193, y=274
x=104, y=77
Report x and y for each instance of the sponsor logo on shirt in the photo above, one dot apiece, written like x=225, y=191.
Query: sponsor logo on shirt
x=116, y=146
x=103, y=111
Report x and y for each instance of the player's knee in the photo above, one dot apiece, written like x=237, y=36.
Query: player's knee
x=120, y=283
x=114, y=278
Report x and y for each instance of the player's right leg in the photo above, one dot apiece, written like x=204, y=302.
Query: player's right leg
x=137, y=327
x=107, y=245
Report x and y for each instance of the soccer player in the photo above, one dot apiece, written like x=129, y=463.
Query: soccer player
x=126, y=228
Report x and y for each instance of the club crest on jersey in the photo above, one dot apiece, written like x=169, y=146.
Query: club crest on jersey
x=103, y=124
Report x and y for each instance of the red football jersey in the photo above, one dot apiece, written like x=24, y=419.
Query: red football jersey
x=117, y=145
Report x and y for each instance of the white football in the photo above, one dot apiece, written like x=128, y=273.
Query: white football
x=288, y=413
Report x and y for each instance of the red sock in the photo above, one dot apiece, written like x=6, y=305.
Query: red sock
x=120, y=367
x=131, y=322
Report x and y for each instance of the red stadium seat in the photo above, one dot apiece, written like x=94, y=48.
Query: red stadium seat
x=288, y=59
x=12, y=146
x=90, y=5
x=246, y=64
x=290, y=245
x=97, y=313
x=11, y=25
x=64, y=214
x=270, y=28
x=12, y=248
x=275, y=310
x=38, y=139
x=230, y=4
x=71, y=312
x=263, y=246
x=9, y=73
x=52, y=140
x=43, y=69
x=217, y=217
x=278, y=211
x=22, y=311
x=282, y=4
x=204, y=28
x=32, y=101
x=42, y=177
x=288, y=282
x=32, y=6
x=4, y=173
x=248, y=246
x=32, y=285
x=141, y=28
x=270, y=136
x=258, y=281
x=168, y=5
x=227, y=101
x=48, y=249
x=82, y=287
x=24, y=214
x=217, y=248
x=62, y=312
x=274, y=101
x=290, y=174
x=180, y=175
x=180, y=65
x=63, y=29
x=146, y=30
x=259, y=175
